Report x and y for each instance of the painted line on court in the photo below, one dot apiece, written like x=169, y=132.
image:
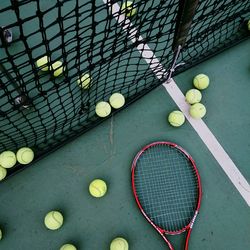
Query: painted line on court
x=173, y=90
x=211, y=142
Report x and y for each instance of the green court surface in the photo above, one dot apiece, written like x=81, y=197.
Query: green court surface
x=60, y=181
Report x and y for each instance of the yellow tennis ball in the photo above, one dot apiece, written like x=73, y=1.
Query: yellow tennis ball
x=98, y=188
x=84, y=81
x=68, y=247
x=53, y=220
x=193, y=96
x=117, y=100
x=3, y=173
x=25, y=155
x=7, y=159
x=248, y=25
x=201, y=81
x=176, y=118
x=1, y=234
x=197, y=110
x=128, y=9
x=57, y=68
x=102, y=109
x=119, y=244
x=42, y=63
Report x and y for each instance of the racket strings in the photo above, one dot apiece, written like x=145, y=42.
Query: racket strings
x=166, y=186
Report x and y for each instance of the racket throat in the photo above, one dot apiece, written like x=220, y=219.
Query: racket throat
x=193, y=220
x=162, y=233
x=174, y=64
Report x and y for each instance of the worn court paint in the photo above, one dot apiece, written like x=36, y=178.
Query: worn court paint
x=200, y=127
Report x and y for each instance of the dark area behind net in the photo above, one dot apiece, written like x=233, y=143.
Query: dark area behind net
x=85, y=37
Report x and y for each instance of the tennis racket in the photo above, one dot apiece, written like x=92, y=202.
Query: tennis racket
x=167, y=188
x=184, y=20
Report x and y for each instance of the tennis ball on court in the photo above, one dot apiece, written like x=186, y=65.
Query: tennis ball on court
x=25, y=155
x=128, y=9
x=117, y=100
x=3, y=173
x=42, y=63
x=197, y=110
x=7, y=159
x=119, y=244
x=193, y=96
x=68, y=247
x=201, y=81
x=1, y=234
x=84, y=81
x=97, y=188
x=102, y=109
x=176, y=118
x=53, y=220
x=57, y=68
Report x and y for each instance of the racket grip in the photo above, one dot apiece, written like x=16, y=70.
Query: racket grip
x=185, y=16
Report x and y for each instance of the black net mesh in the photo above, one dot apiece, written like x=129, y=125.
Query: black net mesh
x=86, y=38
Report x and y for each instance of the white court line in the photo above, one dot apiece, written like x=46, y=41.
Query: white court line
x=200, y=127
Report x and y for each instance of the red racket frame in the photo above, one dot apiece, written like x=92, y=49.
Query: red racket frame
x=162, y=231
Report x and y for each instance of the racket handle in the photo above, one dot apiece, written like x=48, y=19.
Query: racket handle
x=184, y=20
x=187, y=238
x=185, y=16
x=166, y=240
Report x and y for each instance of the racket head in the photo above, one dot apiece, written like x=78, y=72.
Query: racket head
x=168, y=207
